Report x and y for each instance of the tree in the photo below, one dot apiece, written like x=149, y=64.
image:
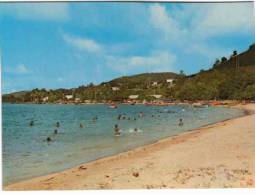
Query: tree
x=223, y=59
x=216, y=63
x=182, y=73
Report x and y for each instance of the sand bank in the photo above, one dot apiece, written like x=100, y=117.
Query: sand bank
x=216, y=156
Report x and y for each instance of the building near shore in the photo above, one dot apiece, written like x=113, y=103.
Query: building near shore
x=69, y=97
x=45, y=99
x=133, y=97
x=156, y=96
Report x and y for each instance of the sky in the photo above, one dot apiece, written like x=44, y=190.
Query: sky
x=65, y=45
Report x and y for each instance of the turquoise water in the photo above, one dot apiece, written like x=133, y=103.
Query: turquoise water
x=27, y=154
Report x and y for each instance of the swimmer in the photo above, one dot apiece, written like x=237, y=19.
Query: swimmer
x=81, y=125
x=119, y=117
x=49, y=139
x=31, y=123
x=134, y=119
x=55, y=131
x=135, y=129
x=141, y=114
x=116, y=130
x=180, y=122
x=57, y=124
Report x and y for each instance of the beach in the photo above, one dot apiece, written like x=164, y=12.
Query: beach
x=215, y=156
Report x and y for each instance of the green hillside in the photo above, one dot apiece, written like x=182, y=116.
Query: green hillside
x=229, y=78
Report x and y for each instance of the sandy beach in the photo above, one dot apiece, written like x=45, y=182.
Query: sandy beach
x=216, y=156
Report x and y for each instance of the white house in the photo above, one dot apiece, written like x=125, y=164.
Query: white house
x=45, y=99
x=115, y=88
x=170, y=81
x=156, y=96
x=133, y=96
x=69, y=97
x=155, y=83
x=77, y=99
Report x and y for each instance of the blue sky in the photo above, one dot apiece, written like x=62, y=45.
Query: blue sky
x=65, y=45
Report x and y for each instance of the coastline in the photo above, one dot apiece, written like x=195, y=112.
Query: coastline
x=141, y=167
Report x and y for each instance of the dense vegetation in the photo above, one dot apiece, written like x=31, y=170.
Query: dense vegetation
x=232, y=78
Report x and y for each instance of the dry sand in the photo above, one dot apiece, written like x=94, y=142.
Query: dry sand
x=215, y=156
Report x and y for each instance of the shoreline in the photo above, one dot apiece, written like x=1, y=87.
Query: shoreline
x=38, y=183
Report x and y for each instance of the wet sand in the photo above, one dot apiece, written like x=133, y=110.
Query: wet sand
x=216, y=156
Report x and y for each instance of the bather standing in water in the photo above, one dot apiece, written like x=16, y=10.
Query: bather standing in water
x=48, y=139
x=81, y=125
x=57, y=124
x=141, y=114
x=180, y=122
x=31, y=123
x=55, y=131
x=116, y=130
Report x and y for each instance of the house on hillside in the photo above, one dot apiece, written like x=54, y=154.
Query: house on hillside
x=45, y=99
x=69, y=97
x=154, y=83
x=170, y=81
x=115, y=88
x=133, y=97
x=156, y=96
x=77, y=100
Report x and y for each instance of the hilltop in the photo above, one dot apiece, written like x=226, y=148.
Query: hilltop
x=228, y=78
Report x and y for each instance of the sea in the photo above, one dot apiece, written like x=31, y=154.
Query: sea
x=86, y=133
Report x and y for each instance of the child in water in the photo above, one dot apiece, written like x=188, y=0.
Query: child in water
x=116, y=130
x=180, y=122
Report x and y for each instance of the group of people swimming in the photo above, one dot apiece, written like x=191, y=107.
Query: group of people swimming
x=117, y=130
x=49, y=139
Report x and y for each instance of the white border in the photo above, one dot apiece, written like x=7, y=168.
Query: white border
x=123, y=192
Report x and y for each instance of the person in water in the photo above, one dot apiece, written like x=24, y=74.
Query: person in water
x=141, y=114
x=94, y=119
x=119, y=117
x=57, y=124
x=49, y=139
x=31, y=123
x=135, y=129
x=180, y=122
x=116, y=130
x=81, y=125
x=55, y=131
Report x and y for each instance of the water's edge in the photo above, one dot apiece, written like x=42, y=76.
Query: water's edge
x=246, y=112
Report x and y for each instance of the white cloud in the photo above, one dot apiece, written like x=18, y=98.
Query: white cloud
x=162, y=21
x=19, y=69
x=189, y=27
x=198, y=21
x=82, y=43
x=225, y=18
x=156, y=62
x=37, y=11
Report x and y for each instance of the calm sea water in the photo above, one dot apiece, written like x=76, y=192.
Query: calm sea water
x=27, y=154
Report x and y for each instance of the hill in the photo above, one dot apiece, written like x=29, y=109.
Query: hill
x=232, y=78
